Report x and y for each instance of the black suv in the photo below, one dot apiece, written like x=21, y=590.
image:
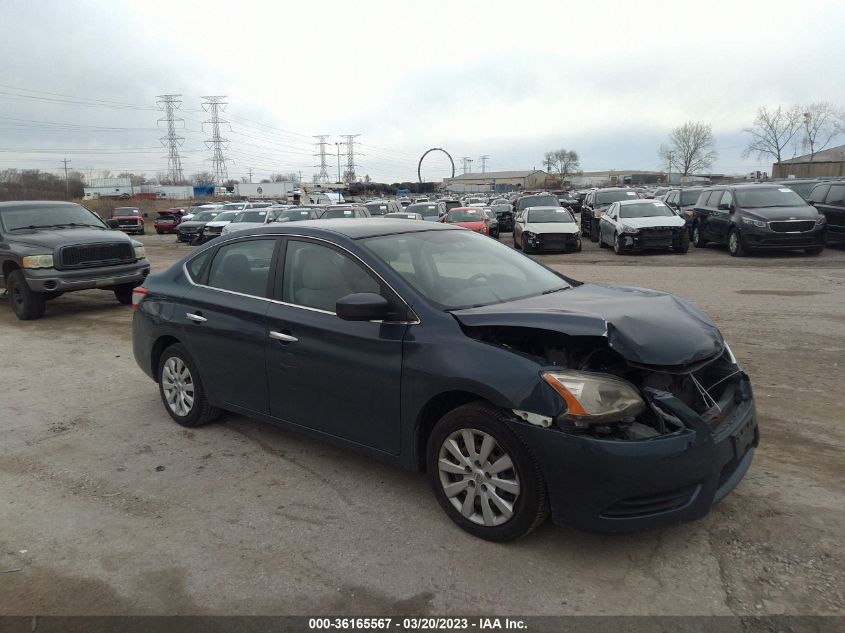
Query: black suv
x=829, y=199
x=49, y=248
x=596, y=203
x=683, y=202
x=757, y=217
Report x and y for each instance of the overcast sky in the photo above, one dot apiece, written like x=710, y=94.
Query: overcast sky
x=507, y=79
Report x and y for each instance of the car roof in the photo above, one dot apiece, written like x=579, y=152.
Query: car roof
x=36, y=204
x=365, y=227
x=640, y=201
x=545, y=207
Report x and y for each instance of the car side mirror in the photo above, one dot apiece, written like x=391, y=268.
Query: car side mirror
x=362, y=306
x=724, y=206
x=113, y=224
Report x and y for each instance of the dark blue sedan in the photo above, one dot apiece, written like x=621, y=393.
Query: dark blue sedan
x=519, y=391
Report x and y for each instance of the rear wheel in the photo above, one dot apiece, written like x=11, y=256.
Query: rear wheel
x=26, y=303
x=735, y=246
x=483, y=476
x=181, y=389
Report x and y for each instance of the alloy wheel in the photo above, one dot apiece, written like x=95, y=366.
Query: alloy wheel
x=178, y=386
x=478, y=477
x=733, y=242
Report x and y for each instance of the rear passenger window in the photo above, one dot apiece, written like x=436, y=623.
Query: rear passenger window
x=243, y=267
x=836, y=196
x=196, y=265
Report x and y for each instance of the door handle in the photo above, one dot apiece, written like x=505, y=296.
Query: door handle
x=285, y=338
x=196, y=318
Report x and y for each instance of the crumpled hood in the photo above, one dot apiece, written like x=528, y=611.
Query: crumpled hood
x=647, y=327
x=654, y=221
x=66, y=237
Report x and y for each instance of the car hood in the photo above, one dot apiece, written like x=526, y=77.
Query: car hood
x=64, y=237
x=192, y=224
x=217, y=223
x=778, y=214
x=475, y=226
x=647, y=223
x=552, y=227
x=646, y=327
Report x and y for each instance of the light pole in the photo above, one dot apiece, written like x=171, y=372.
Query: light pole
x=338, y=144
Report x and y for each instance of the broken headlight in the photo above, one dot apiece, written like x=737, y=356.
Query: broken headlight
x=594, y=398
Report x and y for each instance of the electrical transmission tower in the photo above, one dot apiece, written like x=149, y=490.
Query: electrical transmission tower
x=484, y=160
x=214, y=106
x=172, y=141
x=321, y=143
x=349, y=174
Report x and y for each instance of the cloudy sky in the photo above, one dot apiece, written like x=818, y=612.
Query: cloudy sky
x=506, y=79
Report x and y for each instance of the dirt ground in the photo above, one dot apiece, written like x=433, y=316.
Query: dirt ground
x=108, y=507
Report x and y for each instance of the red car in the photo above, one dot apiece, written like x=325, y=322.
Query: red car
x=129, y=219
x=471, y=218
x=168, y=220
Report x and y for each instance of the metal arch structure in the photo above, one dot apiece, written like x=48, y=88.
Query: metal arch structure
x=434, y=149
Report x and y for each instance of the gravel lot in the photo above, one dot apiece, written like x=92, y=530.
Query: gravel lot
x=107, y=506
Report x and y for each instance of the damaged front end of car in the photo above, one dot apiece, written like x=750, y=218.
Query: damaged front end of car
x=634, y=444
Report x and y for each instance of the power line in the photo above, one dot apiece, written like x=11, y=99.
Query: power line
x=172, y=141
x=321, y=143
x=214, y=105
x=349, y=175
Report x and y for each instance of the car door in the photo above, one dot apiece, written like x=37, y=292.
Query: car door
x=833, y=208
x=338, y=377
x=720, y=217
x=518, y=228
x=705, y=209
x=225, y=322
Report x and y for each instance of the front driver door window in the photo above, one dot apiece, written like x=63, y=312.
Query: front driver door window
x=334, y=376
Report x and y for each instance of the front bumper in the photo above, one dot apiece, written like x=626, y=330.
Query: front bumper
x=616, y=486
x=553, y=241
x=52, y=280
x=765, y=239
x=646, y=240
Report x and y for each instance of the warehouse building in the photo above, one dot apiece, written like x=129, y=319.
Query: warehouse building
x=616, y=178
x=500, y=181
x=828, y=163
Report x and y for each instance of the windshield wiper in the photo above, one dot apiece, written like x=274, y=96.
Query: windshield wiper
x=74, y=224
x=548, y=292
x=33, y=226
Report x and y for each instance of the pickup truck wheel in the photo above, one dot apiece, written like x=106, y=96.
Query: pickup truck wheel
x=26, y=303
x=124, y=293
x=181, y=389
x=483, y=476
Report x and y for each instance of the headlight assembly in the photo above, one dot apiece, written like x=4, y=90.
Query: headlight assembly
x=37, y=261
x=752, y=222
x=821, y=220
x=140, y=253
x=594, y=398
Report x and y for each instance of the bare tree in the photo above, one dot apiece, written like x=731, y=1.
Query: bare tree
x=564, y=162
x=202, y=178
x=772, y=132
x=819, y=123
x=286, y=177
x=690, y=147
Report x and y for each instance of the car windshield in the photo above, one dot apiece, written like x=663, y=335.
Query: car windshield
x=250, y=216
x=330, y=214
x=226, y=216
x=376, y=208
x=538, y=201
x=760, y=198
x=802, y=188
x=48, y=216
x=461, y=269
x=205, y=216
x=293, y=215
x=465, y=215
x=234, y=206
x=542, y=216
x=426, y=210
x=126, y=211
x=606, y=197
x=645, y=210
x=689, y=197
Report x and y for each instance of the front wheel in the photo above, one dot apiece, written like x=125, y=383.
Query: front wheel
x=594, y=231
x=698, y=237
x=181, y=389
x=483, y=476
x=682, y=243
x=26, y=303
x=617, y=244
x=735, y=246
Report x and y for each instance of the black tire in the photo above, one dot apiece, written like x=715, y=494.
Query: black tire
x=617, y=245
x=815, y=250
x=515, y=245
x=682, y=243
x=201, y=412
x=27, y=304
x=578, y=247
x=531, y=506
x=584, y=231
x=697, y=237
x=124, y=293
x=594, y=231
x=601, y=242
x=735, y=247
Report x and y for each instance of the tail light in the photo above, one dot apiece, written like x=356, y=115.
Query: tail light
x=138, y=295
